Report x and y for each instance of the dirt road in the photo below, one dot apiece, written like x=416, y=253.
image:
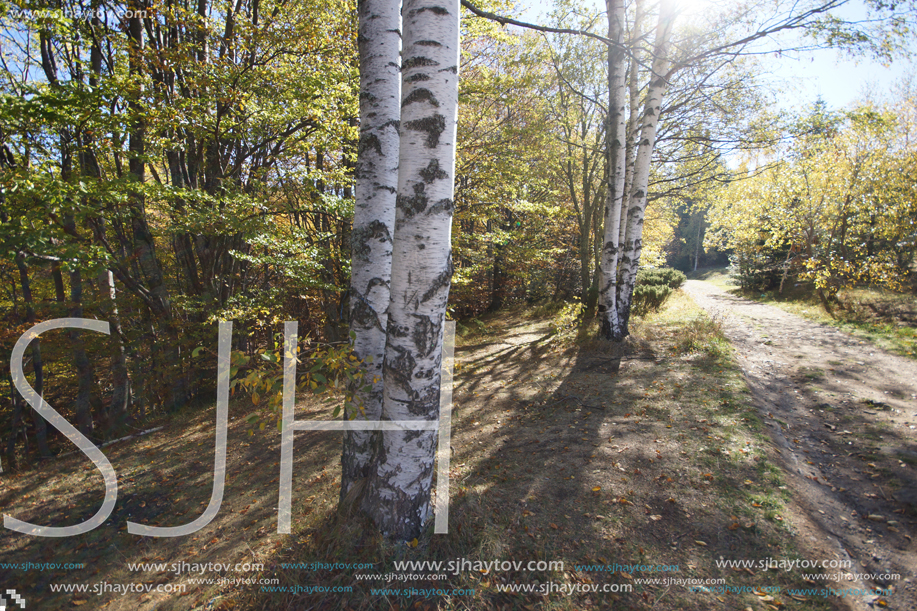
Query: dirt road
x=843, y=416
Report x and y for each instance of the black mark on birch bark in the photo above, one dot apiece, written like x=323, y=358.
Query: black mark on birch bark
x=426, y=402
x=425, y=334
x=443, y=205
x=433, y=126
x=418, y=61
x=412, y=205
x=436, y=10
x=363, y=316
x=370, y=142
x=400, y=370
x=360, y=237
x=433, y=172
x=441, y=281
x=420, y=95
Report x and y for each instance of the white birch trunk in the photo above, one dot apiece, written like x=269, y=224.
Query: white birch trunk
x=398, y=491
x=636, y=208
x=633, y=115
x=376, y=176
x=615, y=134
x=121, y=394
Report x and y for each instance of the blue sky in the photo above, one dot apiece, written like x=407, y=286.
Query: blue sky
x=836, y=78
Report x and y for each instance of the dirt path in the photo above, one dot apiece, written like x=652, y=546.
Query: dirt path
x=843, y=416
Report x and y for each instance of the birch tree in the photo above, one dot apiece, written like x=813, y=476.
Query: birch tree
x=616, y=135
x=732, y=34
x=632, y=245
x=379, y=45
x=398, y=489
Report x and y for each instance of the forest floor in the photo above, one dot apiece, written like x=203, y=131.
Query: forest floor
x=661, y=456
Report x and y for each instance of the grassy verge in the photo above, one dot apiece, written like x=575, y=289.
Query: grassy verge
x=888, y=320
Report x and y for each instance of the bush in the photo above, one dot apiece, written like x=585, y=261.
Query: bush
x=653, y=287
x=649, y=298
x=568, y=317
x=661, y=276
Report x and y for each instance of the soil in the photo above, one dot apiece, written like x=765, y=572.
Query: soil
x=843, y=416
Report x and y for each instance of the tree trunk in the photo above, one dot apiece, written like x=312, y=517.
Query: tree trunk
x=89, y=167
x=41, y=428
x=121, y=393
x=398, y=491
x=374, y=219
x=616, y=135
x=143, y=244
x=14, y=427
x=636, y=209
x=82, y=405
x=634, y=89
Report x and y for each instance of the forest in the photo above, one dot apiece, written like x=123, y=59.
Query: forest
x=672, y=282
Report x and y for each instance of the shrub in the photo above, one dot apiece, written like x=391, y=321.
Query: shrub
x=653, y=287
x=568, y=317
x=666, y=276
x=649, y=298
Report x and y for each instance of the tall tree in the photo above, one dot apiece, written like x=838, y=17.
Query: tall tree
x=398, y=493
x=616, y=150
x=376, y=188
x=632, y=247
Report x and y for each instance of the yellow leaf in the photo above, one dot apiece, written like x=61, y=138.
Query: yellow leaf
x=597, y=489
x=414, y=542
x=255, y=398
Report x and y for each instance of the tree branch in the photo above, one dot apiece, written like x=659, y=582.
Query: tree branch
x=540, y=28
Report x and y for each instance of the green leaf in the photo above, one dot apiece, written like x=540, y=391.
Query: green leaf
x=337, y=412
x=320, y=378
x=196, y=351
x=252, y=418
